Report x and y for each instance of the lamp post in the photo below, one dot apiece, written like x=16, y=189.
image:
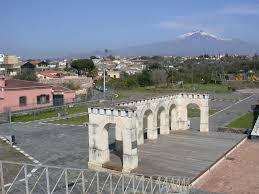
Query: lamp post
x=104, y=96
x=104, y=84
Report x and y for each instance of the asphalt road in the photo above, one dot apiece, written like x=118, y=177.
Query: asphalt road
x=230, y=111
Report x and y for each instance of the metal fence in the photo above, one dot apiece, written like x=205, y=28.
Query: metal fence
x=29, y=178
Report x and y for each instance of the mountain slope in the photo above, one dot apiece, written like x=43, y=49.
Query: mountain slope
x=193, y=43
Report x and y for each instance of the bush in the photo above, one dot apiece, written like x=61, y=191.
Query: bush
x=72, y=85
x=28, y=75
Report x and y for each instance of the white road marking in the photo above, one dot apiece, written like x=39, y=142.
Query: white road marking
x=232, y=105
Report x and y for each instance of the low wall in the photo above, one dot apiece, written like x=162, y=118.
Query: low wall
x=84, y=82
x=232, y=130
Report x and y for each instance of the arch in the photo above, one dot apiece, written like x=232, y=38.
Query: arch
x=162, y=120
x=193, y=116
x=141, y=124
x=148, y=125
x=113, y=143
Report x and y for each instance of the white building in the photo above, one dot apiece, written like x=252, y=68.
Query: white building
x=2, y=58
x=62, y=64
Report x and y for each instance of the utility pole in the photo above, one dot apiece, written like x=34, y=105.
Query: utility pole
x=192, y=74
x=104, y=84
x=104, y=96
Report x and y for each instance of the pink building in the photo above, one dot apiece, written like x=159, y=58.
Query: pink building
x=18, y=95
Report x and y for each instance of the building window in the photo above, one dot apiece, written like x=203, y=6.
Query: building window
x=23, y=101
x=43, y=99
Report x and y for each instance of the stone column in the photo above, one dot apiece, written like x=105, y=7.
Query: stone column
x=174, y=124
x=130, y=151
x=151, y=129
x=204, y=119
x=140, y=135
x=164, y=123
x=182, y=117
x=98, y=147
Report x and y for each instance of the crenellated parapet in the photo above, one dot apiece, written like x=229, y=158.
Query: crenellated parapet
x=113, y=112
x=164, y=98
x=193, y=96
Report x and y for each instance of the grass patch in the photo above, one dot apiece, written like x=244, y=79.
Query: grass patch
x=194, y=112
x=218, y=88
x=45, y=114
x=74, y=120
x=245, y=121
x=160, y=90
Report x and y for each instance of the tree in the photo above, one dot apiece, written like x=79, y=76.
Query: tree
x=93, y=73
x=106, y=51
x=144, y=79
x=28, y=75
x=93, y=57
x=83, y=66
x=169, y=77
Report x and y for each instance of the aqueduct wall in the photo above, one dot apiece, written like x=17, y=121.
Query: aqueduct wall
x=132, y=119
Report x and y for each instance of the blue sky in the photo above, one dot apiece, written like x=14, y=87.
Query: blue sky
x=50, y=28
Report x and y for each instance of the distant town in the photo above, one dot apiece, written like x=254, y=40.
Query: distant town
x=74, y=78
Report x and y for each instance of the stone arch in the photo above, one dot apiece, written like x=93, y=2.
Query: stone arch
x=193, y=115
x=145, y=119
x=161, y=118
x=204, y=118
x=113, y=143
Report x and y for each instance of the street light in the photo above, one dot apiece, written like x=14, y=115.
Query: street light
x=104, y=83
x=104, y=96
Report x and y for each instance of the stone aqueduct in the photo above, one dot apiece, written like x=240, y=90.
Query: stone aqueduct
x=130, y=119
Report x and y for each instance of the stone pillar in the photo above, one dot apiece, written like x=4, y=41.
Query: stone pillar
x=98, y=147
x=164, y=123
x=140, y=132
x=151, y=129
x=174, y=124
x=130, y=152
x=182, y=117
x=204, y=119
x=118, y=139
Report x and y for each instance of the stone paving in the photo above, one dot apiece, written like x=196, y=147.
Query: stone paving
x=184, y=153
x=238, y=174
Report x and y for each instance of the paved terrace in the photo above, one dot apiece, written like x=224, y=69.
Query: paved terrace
x=185, y=154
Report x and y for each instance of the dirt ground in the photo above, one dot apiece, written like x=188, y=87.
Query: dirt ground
x=239, y=173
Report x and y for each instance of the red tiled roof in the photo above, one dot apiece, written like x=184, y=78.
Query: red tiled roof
x=34, y=62
x=22, y=84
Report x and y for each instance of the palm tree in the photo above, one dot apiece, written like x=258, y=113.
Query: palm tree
x=106, y=52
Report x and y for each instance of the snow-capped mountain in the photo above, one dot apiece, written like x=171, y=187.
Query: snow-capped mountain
x=201, y=34
x=190, y=44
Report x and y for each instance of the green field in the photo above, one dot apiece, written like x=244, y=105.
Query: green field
x=193, y=112
x=151, y=91
x=245, y=121
x=73, y=120
x=45, y=114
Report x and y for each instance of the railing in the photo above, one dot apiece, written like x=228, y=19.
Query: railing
x=29, y=178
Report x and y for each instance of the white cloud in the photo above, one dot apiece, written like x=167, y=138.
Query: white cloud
x=244, y=9
x=173, y=25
